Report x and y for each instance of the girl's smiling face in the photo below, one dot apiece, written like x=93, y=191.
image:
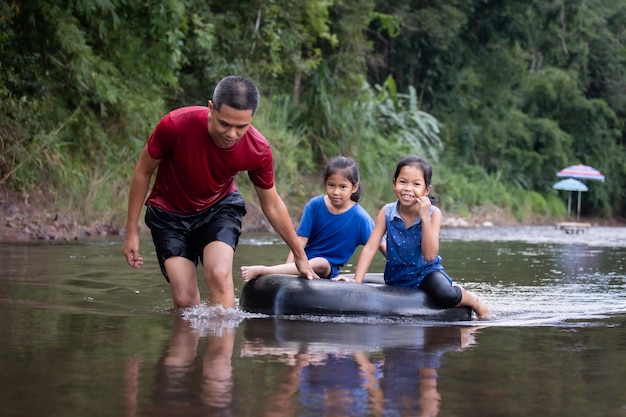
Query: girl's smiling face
x=410, y=185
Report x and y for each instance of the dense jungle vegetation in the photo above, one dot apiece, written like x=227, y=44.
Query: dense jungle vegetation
x=498, y=94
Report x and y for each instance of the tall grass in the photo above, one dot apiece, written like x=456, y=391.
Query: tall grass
x=93, y=186
x=466, y=189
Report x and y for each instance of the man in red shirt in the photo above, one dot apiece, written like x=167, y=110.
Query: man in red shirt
x=194, y=210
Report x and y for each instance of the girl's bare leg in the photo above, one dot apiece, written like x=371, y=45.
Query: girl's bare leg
x=471, y=300
x=250, y=272
x=319, y=265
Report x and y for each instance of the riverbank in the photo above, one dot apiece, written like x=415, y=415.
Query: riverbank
x=34, y=217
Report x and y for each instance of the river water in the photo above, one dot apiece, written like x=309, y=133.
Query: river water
x=83, y=334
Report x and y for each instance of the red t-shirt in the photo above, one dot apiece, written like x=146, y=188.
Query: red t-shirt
x=194, y=173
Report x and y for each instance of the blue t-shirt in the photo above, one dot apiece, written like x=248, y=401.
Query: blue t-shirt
x=334, y=237
x=401, y=379
x=339, y=375
x=406, y=266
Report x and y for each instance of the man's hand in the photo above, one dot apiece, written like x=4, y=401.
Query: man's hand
x=131, y=251
x=304, y=267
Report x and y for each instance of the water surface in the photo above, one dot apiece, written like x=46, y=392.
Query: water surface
x=84, y=334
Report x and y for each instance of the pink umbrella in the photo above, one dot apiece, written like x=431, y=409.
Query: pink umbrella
x=581, y=172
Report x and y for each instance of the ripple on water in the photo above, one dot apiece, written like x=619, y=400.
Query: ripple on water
x=213, y=320
x=549, y=305
x=595, y=235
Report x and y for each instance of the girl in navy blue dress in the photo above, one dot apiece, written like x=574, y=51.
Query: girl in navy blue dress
x=411, y=226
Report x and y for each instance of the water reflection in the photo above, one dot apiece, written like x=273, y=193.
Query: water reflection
x=326, y=368
x=353, y=369
x=191, y=378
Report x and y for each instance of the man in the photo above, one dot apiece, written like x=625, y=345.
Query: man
x=194, y=210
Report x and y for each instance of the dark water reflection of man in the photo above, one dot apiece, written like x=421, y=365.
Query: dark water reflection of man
x=181, y=371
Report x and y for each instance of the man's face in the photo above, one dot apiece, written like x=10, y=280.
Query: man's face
x=227, y=125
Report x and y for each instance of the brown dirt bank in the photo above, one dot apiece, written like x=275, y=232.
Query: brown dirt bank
x=33, y=216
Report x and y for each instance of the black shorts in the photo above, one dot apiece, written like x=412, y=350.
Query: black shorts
x=187, y=235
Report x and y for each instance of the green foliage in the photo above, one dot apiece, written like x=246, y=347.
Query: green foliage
x=466, y=186
x=91, y=90
x=402, y=121
x=529, y=205
x=277, y=43
x=378, y=121
x=556, y=205
x=30, y=145
x=499, y=95
x=293, y=161
x=518, y=86
x=591, y=125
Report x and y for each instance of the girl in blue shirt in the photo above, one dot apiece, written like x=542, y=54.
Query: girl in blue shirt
x=412, y=225
x=332, y=226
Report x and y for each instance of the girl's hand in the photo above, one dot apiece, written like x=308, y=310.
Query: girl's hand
x=343, y=278
x=424, y=210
